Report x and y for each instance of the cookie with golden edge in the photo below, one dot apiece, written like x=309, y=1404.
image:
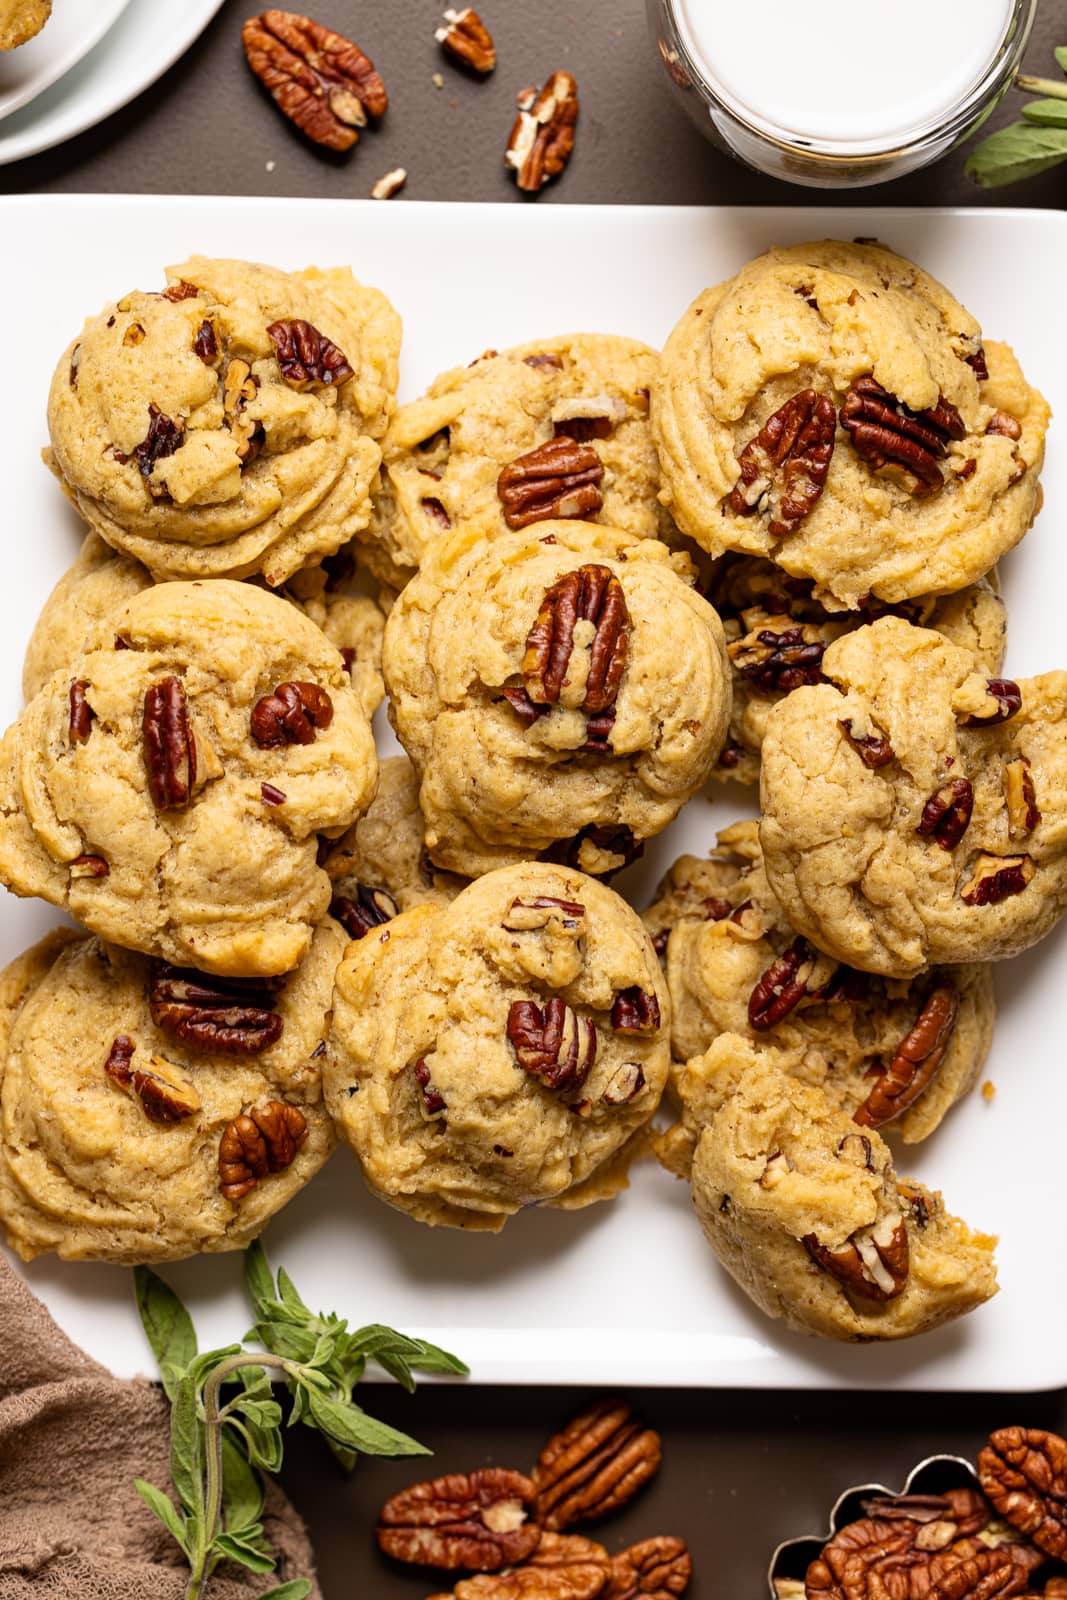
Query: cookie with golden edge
x=21, y=21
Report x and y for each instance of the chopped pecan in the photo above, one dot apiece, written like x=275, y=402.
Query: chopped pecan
x=981, y=1575
x=784, y=466
x=552, y=1041
x=88, y=866
x=892, y=438
x=977, y=362
x=271, y=795
x=174, y=292
x=857, y=1148
x=389, y=184
x=782, y=986
x=585, y=417
x=307, y=358
x=946, y=816
x=963, y=1510
x=779, y=656
x=239, y=386
x=467, y=40
x=995, y=878
x=318, y=79
x=1004, y=700
x=873, y=1263
x=918, y=1057
x=1005, y=425
x=370, y=909
x=778, y=1166
x=564, y=1566
x=524, y=916
x=1024, y=1473
x=206, y=343
x=1020, y=798
x=162, y=439
x=542, y=136
x=635, y=1011
x=591, y=595
x=169, y=745
x=625, y=1084
x=657, y=1568
x=133, y=336
x=602, y=849
x=873, y=749
x=165, y=1096
x=231, y=1016
x=432, y=1099
x=556, y=479
x=82, y=715
x=594, y=1465
x=261, y=1140
x=291, y=714
x=433, y=508
x=478, y=1521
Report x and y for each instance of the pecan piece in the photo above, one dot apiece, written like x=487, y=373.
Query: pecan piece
x=370, y=909
x=261, y=1140
x=946, y=816
x=169, y=745
x=467, y=40
x=231, y=1016
x=552, y=1041
x=983, y=1575
x=206, y=343
x=432, y=1099
x=625, y=1084
x=591, y=595
x=995, y=878
x=602, y=849
x=477, y=1520
x=780, y=656
x=82, y=715
x=1024, y=1473
x=272, y=796
x=1004, y=700
x=162, y=439
x=977, y=362
x=317, y=78
x=784, y=466
x=918, y=1057
x=657, y=1568
x=1005, y=425
x=1020, y=798
x=542, y=136
x=88, y=866
x=962, y=1511
x=181, y=290
x=892, y=438
x=239, y=386
x=290, y=714
x=635, y=1011
x=525, y=916
x=782, y=986
x=556, y=479
x=873, y=1262
x=165, y=1096
x=594, y=1465
x=873, y=749
x=564, y=1566
x=307, y=358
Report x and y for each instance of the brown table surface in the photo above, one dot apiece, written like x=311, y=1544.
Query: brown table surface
x=742, y=1471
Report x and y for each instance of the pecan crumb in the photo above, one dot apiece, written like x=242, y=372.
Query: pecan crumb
x=390, y=184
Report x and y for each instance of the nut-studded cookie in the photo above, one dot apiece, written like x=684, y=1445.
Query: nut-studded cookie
x=833, y=407
x=149, y=1112
x=914, y=810
x=895, y=1054
x=559, y=428
x=777, y=634
x=500, y=1051
x=804, y=1210
x=559, y=687
x=168, y=786
x=229, y=424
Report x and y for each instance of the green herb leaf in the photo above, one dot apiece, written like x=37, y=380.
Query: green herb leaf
x=167, y=1512
x=248, y=1554
x=288, y=1295
x=167, y=1325
x=1061, y=55
x=187, y=1448
x=296, y=1589
x=259, y=1281
x=1019, y=151
x=1049, y=113
x=350, y=1425
x=242, y=1489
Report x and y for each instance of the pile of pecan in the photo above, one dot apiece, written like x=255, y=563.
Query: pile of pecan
x=514, y=1532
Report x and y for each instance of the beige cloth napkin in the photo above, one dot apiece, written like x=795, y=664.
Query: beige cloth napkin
x=72, y=1440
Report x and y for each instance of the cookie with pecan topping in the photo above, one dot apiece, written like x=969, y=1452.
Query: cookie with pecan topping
x=135, y=795
x=476, y=1062
x=951, y=850
x=187, y=438
x=827, y=408
x=120, y=1080
x=894, y=1054
x=563, y=687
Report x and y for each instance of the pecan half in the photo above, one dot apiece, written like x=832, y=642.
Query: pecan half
x=594, y=1465
x=983, y=1575
x=542, y=136
x=525, y=916
x=477, y=1520
x=1024, y=1473
x=169, y=745
x=782, y=986
x=552, y=1041
x=318, y=79
x=873, y=1263
x=892, y=438
x=1004, y=700
x=856, y=1557
x=657, y=1568
x=307, y=358
x=231, y=1016
x=946, y=816
x=162, y=439
x=635, y=1011
x=873, y=749
x=556, y=479
x=370, y=909
x=291, y=714
x=995, y=878
x=239, y=386
x=1020, y=798
x=918, y=1057
x=564, y=1566
x=165, y=1096
x=779, y=656
x=963, y=1511
x=82, y=715
x=467, y=40
x=261, y=1140
x=784, y=466
x=591, y=594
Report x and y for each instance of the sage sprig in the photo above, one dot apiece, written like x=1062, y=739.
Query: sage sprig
x=226, y=1424
x=1033, y=145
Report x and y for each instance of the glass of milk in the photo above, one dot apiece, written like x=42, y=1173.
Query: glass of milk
x=840, y=92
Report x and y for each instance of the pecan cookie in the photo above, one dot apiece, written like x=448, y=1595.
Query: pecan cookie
x=167, y=787
x=564, y=686
x=833, y=407
x=230, y=424
x=499, y=1051
x=148, y=1112
x=915, y=811
x=554, y=429
x=804, y=1210
x=777, y=634
x=22, y=20
x=894, y=1054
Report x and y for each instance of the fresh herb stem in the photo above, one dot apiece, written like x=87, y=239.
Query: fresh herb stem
x=1052, y=87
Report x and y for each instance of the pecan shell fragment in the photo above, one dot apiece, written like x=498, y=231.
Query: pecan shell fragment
x=946, y=816
x=588, y=594
x=291, y=714
x=556, y=479
x=169, y=745
x=655, y=1569
x=262, y=1140
x=307, y=358
x=596, y=1464
x=317, y=78
x=476, y=1521
x=889, y=436
x=1024, y=1473
x=232, y=1016
x=552, y=1041
x=542, y=136
x=918, y=1057
x=785, y=465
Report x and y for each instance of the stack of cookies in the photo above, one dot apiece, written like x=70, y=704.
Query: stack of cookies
x=590, y=580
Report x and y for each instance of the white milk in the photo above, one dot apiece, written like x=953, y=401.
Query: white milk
x=849, y=70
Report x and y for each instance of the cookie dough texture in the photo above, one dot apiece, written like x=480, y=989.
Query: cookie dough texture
x=384, y=850
x=83, y=1170
x=229, y=883
x=484, y=1136
x=820, y=316
x=759, y=605
x=22, y=20
x=203, y=510
x=497, y=789
x=778, y=1164
x=443, y=454
x=725, y=929
x=840, y=840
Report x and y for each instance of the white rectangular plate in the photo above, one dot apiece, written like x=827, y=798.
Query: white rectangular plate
x=627, y=1292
